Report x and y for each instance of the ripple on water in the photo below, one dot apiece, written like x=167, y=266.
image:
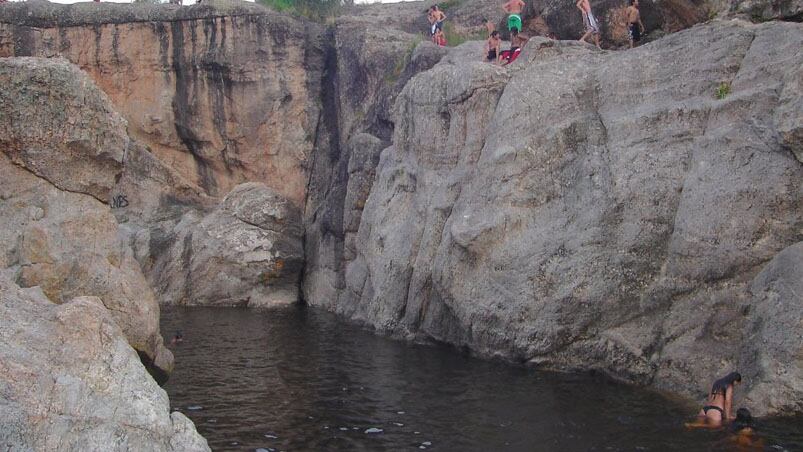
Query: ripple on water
x=310, y=380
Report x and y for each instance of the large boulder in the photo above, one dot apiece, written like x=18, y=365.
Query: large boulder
x=62, y=149
x=246, y=252
x=70, y=381
x=574, y=218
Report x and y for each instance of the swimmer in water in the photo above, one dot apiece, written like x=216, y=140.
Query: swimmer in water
x=178, y=338
x=744, y=434
x=720, y=403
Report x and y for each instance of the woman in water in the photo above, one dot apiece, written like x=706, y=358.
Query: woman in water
x=720, y=400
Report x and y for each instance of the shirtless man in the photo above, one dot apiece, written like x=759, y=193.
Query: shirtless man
x=436, y=18
x=492, y=45
x=592, y=28
x=634, y=26
x=513, y=8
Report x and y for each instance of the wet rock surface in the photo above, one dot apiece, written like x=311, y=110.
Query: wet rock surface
x=70, y=381
x=576, y=218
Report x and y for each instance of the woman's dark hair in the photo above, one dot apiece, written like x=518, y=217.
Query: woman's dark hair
x=494, y=34
x=632, y=1
x=721, y=385
x=743, y=419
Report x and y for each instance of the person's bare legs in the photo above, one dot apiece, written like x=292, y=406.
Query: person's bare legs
x=596, y=40
x=585, y=36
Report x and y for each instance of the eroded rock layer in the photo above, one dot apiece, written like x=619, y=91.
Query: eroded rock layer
x=223, y=93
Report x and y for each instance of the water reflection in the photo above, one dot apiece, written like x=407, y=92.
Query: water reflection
x=299, y=379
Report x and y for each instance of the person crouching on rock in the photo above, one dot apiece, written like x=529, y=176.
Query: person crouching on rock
x=492, y=45
x=634, y=26
x=720, y=400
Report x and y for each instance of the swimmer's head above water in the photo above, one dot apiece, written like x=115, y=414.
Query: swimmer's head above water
x=744, y=420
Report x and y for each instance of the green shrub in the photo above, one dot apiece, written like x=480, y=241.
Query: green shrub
x=722, y=90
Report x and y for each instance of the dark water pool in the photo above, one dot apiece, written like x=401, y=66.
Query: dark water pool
x=299, y=379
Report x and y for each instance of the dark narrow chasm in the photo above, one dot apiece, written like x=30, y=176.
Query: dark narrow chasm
x=326, y=151
x=183, y=110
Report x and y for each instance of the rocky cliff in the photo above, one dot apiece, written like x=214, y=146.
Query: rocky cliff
x=593, y=210
x=214, y=95
x=636, y=213
x=73, y=298
x=223, y=94
x=62, y=148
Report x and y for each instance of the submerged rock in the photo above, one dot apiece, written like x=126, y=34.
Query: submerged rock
x=70, y=381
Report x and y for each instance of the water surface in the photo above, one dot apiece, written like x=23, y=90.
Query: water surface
x=301, y=379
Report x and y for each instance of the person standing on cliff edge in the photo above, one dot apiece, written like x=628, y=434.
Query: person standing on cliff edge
x=513, y=8
x=591, y=26
x=436, y=18
x=634, y=26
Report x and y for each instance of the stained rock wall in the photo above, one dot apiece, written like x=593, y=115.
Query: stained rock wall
x=588, y=210
x=214, y=96
x=223, y=93
x=368, y=66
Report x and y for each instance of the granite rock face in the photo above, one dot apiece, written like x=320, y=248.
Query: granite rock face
x=246, y=252
x=223, y=92
x=569, y=215
x=62, y=149
x=368, y=66
x=70, y=381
